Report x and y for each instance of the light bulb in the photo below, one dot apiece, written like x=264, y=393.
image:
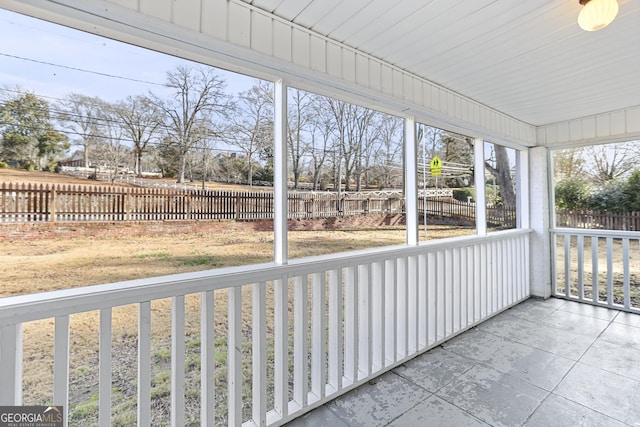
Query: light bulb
x=597, y=14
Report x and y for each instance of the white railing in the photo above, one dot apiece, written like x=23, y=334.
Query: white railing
x=599, y=267
x=295, y=336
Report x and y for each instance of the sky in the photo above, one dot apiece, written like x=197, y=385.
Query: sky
x=53, y=61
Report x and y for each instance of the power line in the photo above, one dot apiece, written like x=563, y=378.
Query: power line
x=98, y=73
x=66, y=116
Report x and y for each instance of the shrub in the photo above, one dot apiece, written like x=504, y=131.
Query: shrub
x=52, y=167
x=632, y=192
x=463, y=194
x=572, y=194
x=609, y=197
x=3, y=165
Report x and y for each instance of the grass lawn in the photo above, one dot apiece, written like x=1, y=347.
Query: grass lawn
x=44, y=265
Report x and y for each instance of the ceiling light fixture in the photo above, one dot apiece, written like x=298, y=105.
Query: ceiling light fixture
x=597, y=14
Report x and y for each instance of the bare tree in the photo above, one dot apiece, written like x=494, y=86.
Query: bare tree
x=377, y=138
x=142, y=122
x=569, y=163
x=203, y=158
x=388, y=154
x=429, y=145
x=300, y=118
x=228, y=168
x=111, y=152
x=430, y=141
x=610, y=161
x=352, y=122
x=321, y=135
x=499, y=167
x=198, y=99
x=252, y=125
x=83, y=116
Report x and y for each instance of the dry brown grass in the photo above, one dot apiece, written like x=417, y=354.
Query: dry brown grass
x=44, y=265
x=10, y=175
x=617, y=269
x=40, y=177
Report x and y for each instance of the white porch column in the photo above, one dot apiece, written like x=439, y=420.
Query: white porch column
x=410, y=180
x=280, y=177
x=481, y=199
x=522, y=191
x=539, y=214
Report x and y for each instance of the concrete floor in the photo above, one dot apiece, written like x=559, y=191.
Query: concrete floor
x=541, y=363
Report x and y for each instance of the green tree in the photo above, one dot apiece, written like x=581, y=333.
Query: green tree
x=609, y=197
x=167, y=158
x=632, y=192
x=230, y=169
x=572, y=194
x=50, y=144
x=24, y=122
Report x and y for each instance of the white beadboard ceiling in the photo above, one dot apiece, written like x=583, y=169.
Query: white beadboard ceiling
x=528, y=59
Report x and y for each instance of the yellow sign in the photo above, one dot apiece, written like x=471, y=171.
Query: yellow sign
x=436, y=166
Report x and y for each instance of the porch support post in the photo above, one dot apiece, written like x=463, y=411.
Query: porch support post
x=481, y=200
x=522, y=191
x=539, y=215
x=411, y=180
x=280, y=178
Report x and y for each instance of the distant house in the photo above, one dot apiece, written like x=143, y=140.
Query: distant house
x=76, y=160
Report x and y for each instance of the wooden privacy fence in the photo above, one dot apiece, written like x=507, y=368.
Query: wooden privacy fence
x=624, y=221
x=325, y=205
x=448, y=208
x=73, y=203
x=64, y=203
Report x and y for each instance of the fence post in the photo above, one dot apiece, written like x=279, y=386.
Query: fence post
x=125, y=205
x=309, y=209
x=237, y=215
x=188, y=203
x=41, y=200
x=52, y=204
x=27, y=205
